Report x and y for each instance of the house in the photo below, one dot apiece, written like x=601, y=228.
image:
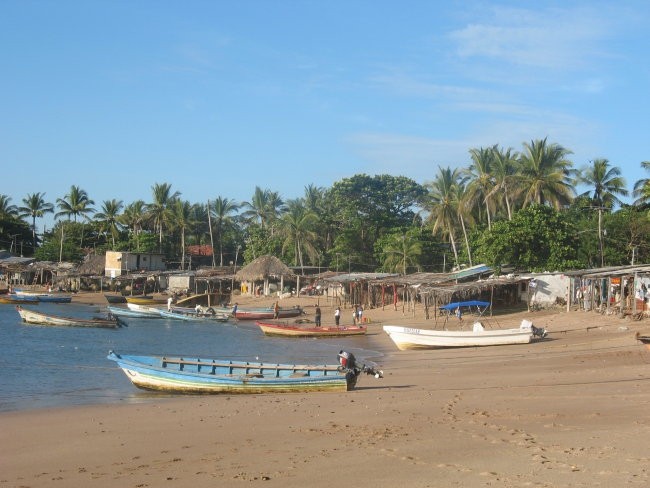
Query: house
x=120, y=263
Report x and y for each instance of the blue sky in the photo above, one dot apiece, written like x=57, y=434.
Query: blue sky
x=217, y=97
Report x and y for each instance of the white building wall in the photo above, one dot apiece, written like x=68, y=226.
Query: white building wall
x=548, y=287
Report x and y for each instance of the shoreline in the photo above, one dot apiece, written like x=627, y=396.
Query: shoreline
x=567, y=411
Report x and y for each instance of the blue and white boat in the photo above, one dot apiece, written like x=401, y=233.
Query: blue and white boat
x=122, y=312
x=201, y=376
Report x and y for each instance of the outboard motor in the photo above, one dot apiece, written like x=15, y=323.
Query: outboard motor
x=539, y=332
x=348, y=363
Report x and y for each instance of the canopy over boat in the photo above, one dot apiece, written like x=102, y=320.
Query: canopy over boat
x=468, y=304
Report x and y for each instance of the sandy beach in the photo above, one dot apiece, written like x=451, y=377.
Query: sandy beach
x=568, y=411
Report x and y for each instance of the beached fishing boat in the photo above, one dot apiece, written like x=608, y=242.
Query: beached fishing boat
x=144, y=309
x=45, y=297
x=122, y=312
x=190, y=375
x=406, y=338
x=181, y=313
x=113, y=298
x=145, y=300
x=32, y=317
x=11, y=298
x=309, y=330
x=264, y=313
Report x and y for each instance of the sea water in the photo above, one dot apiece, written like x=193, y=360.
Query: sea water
x=46, y=366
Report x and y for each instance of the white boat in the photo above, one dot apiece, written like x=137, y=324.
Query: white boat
x=144, y=309
x=406, y=338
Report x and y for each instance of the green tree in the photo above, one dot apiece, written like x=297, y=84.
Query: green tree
x=401, y=252
x=182, y=219
x=481, y=180
x=134, y=217
x=35, y=206
x=607, y=184
x=538, y=238
x=222, y=219
x=75, y=203
x=442, y=205
x=365, y=208
x=109, y=218
x=158, y=211
x=545, y=174
x=641, y=190
x=297, y=231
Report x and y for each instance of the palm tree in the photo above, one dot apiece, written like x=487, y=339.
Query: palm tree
x=442, y=204
x=7, y=210
x=504, y=170
x=182, y=218
x=607, y=183
x=464, y=209
x=35, y=206
x=545, y=174
x=401, y=252
x=297, y=228
x=133, y=217
x=75, y=203
x=221, y=213
x=257, y=208
x=482, y=180
x=109, y=217
x=158, y=211
x=641, y=188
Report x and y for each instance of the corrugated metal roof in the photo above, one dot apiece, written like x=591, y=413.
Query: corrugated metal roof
x=470, y=272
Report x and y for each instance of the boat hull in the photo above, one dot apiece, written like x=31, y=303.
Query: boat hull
x=193, y=316
x=406, y=338
x=18, y=299
x=267, y=313
x=144, y=310
x=287, y=330
x=131, y=314
x=206, y=376
x=145, y=300
x=45, y=297
x=37, y=318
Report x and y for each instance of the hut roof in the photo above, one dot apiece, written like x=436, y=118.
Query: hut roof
x=263, y=268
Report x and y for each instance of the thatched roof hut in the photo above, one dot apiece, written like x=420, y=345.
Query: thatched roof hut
x=263, y=268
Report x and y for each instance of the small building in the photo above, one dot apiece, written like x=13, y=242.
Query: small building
x=120, y=263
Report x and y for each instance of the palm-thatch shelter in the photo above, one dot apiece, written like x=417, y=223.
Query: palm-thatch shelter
x=262, y=269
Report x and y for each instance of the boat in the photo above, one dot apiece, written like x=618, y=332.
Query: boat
x=309, y=330
x=406, y=338
x=263, y=313
x=143, y=309
x=11, y=298
x=45, y=296
x=112, y=298
x=145, y=300
x=182, y=313
x=122, y=312
x=33, y=317
x=190, y=375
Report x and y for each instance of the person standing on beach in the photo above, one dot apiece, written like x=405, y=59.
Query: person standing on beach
x=317, y=316
x=276, y=310
x=337, y=315
x=169, y=304
x=360, y=315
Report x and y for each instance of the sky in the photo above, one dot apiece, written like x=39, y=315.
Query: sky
x=217, y=97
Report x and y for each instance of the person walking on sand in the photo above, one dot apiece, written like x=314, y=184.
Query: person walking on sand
x=360, y=315
x=337, y=315
x=459, y=315
x=276, y=310
x=317, y=316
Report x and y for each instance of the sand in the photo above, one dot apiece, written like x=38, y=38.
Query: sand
x=573, y=410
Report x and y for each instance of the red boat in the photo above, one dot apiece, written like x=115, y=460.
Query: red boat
x=309, y=330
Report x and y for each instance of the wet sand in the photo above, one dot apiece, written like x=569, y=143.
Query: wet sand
x=572, y=410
